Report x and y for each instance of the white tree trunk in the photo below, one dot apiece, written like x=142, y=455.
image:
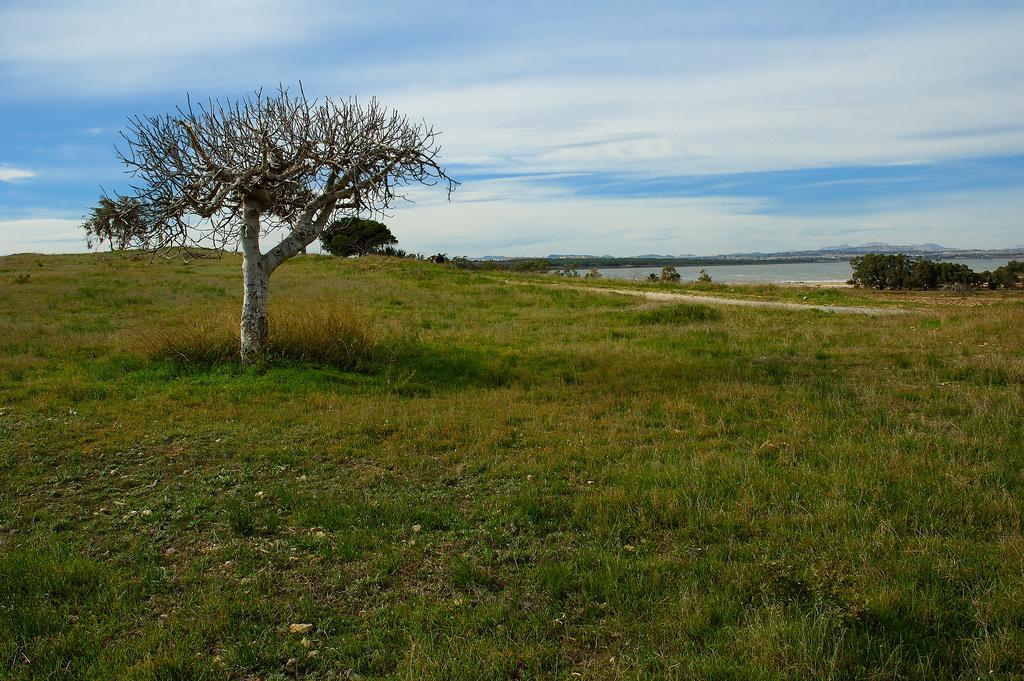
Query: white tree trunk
x=257, y=268
x=256, y=290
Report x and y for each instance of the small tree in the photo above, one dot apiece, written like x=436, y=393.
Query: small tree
x=113, y=222
x=592, y=274
x=1010, y=275
x=226, y=174
x=356, y=236
x=703, y=277
x=669, y=273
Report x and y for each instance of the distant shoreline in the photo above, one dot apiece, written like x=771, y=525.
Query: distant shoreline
x=832, y=283
x=777, y=258
x=712, y=261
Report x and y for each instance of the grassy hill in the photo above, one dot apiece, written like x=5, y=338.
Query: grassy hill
x=515, y=480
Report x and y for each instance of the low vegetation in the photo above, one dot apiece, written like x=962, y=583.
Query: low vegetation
x=502, y=476
x=670, y=274
x=329, y=334
x=903, y=272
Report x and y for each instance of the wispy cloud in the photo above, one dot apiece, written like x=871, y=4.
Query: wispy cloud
x=646, y=118
x=41, y=235
x=119, y=46
x=12, y=174
x=565, y=223
x=864, y=99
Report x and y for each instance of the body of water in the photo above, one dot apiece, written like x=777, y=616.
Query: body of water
x=768, y=273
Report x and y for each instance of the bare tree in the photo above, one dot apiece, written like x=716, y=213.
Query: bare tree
x=222, y=175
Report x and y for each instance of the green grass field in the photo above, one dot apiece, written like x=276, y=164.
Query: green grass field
x=522, y=481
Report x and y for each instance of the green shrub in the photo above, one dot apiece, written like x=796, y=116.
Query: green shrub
x=393, y=252
x=670, y=274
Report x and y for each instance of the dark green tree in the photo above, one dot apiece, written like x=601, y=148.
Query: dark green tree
x=898, y=271
x=885, y=271
x=1010, y=275
x=356, y=236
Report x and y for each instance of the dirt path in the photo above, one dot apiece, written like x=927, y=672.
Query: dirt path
x=665, y=297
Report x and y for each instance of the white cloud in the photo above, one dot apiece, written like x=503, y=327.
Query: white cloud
x=876, y=99
x=487, y=222
x=676, y=92
x=41, y=235
x=110, y=30
x=490, y=224
x=672, y=92
x=12, y=174
x=122, y=46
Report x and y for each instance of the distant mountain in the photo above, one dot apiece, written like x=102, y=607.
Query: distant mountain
x=555, y=256
x=880, y=247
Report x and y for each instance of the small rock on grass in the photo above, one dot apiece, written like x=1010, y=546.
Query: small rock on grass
x=300, y=628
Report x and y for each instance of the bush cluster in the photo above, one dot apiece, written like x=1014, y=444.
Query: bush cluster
x=1010, y=275
x=331, y=334
x=904, y=272
x=670, y=274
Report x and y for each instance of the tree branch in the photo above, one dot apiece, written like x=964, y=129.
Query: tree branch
x=300, y=159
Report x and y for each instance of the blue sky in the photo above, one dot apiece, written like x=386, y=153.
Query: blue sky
x=622, y=128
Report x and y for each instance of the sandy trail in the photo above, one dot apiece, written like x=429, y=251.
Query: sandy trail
x=666, y=297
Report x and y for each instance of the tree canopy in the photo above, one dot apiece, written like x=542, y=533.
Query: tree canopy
x=899, y=271
x=356, y=236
